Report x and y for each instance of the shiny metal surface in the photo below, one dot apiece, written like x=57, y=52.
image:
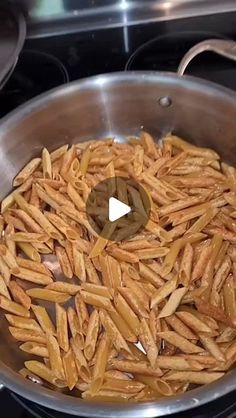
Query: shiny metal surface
x=12, y=37
x=226, y=48
x=67, y=16
x=117, y=104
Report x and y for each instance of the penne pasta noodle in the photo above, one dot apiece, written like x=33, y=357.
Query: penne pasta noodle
x=13, y=307
x=173, y=302
x=26, y=172
x=43, y=319
x=180, y=327
x=70, y=369
x=49, y=295
x=137, y=289
x=140, y=367
x=55, y=357
x=100, y=365
x=64, y=287
x=212, y=347
x=135, y=303
x=113, y=332
x=19, y=295
x=148, y=342
x=82, y=312
x=127, y=313
x=151, y=276
x=163, y=292
x=193, y=322
x=3, y=289
x=96, y=300
x=39, y=369
x=78, y=263
x=229, y=297
x=75, y=326
x=58, y=153
x=62, y=328
x=91, y=273
x=24, y=323
x=47, y=164
x=64, y=262
x=27, y=335
x=33, y=265
x=178, y=341
x=123, y=327
x=122, y=385
x=34, y=348
x=33, y=276
x=5, y=271
x=176, y=247
x=147, y=253
x=123, y=255
x=92, y=335
x=8, y=258
x=186, y=265
x=200, y=378
x=81, y=362
x=29, y=251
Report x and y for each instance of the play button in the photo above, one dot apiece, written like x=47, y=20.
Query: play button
x=117, y=209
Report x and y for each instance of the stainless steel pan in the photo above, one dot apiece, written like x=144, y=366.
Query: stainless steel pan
x=116, y=104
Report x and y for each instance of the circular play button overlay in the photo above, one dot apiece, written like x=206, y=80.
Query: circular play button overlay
x=118, y=208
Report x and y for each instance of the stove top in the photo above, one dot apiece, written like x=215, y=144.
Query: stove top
x=51, y=61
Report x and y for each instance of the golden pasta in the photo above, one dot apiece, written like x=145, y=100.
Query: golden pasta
x=119, y=313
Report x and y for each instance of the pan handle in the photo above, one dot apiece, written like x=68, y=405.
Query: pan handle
x=219, y=46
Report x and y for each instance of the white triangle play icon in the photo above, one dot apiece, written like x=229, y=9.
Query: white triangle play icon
x=117, y=209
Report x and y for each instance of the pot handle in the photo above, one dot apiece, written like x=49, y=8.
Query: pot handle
x=226, y=48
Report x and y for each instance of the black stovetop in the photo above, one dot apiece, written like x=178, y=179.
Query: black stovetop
x=48, y=62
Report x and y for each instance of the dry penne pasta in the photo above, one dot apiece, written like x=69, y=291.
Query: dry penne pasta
x=41, y=370
x=100, y=365
x=173, y=302
x=49, y=295
x=140, y=367
x=200, y=378
x=35, y=348
x=132, y=310
x=13, y=307
x=64, y=287
x=81, y=363
x=3, y=289
x=62, y=328
x=33, y=276
x=148, y=342
x=43, y=319
x=26, y=172
x=26, y=335
x=82, y=312
x=113, y=332
x=71, y=374
x=178, y=341
x=64, y=262
x=24, y=323
x=92, y=334
x=55, y=357
x=163, y=292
